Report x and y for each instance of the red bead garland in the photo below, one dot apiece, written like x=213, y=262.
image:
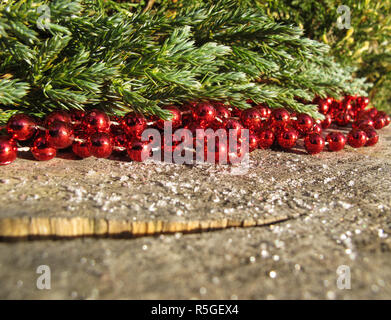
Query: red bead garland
x=93, y=133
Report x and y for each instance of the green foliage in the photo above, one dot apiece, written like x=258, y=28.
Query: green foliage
x=365, y=46
x=114, y=56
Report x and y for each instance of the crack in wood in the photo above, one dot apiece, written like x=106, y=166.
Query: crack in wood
x=62, y=228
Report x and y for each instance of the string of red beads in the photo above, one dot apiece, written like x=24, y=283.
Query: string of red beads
x=93, y=133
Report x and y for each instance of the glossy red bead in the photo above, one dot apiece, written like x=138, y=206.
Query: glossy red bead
x=303, y=123
x=234, y=126
x=280, y=117
x=58, y=115
x=287, y=138
x=357, y=138
x=59, y=134
x=101, y=145
x=134, y=124
x=204, y=113
x=362, y=123
x=8, y=150
x=335, y=141
x=317, y=128
x=82, y=146
x=42, y=150
x=216, y=151
x=176, y=119
x=386, y=117
x=342, y=119
x=379, y=122
x=372, y=136
x=372, y=113
x=251, y=119
x=253, y=142
x=139, y=150
x=323, y=107
x=314, y=143
x=264, y=111
x=362, y=102
x=222, y=111
x=326, y=122
x=96, y=121
x=265, y=139
x=21, y=127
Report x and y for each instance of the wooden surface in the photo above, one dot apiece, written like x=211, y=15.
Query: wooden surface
x=76, y=227
x=114, y=197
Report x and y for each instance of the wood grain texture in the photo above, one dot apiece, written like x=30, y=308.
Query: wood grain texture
x=66, y=198
x=81, y=227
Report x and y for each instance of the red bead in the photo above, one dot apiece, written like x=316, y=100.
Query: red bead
x=362, y=102
x=59, y=115
x=82, y=146
x=373, y=137
x=253, y=142
x=134, y=124
x=101, y=145
x=314, y=143
x=379, y=122
x=222, y=111
x=234, y=126
x=357, y=138
x=266, y=139
x=176, y=119
x=362, y=123
x=336, y=141
x=327, y=121
x=41, y=149
x=280, y=117
x=342, y=119
x=216, y=150
x=21, y=127
x=264, y=111
x=204, y=113
x=138, y=150
x=386, y=117
x=317, y=128
x=251, y=119
x=8, y=150
x=372, y=113
x=59, y=135
x=96, y=121
x=323, y=106
x=287, y=138
x=304, y=123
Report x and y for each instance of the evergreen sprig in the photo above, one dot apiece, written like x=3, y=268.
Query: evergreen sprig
x=114, y=56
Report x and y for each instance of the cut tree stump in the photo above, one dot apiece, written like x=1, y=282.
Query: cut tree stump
x=66, y=198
